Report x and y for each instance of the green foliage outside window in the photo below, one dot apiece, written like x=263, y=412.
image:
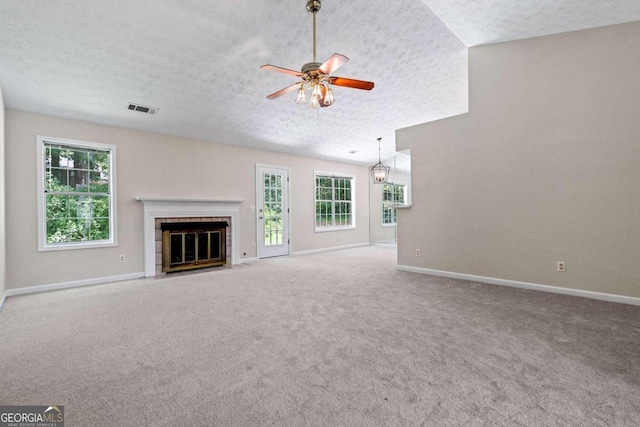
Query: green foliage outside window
x=77, y=194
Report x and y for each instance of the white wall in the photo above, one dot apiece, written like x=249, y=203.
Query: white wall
x=544, y=168
x=153, y=165
x=3, y=251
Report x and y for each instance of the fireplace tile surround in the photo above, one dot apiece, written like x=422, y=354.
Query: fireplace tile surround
x=157, y=210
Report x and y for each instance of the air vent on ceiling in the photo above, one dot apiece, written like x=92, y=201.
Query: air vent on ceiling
x=143, y=109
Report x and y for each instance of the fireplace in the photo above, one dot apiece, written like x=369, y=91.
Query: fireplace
x=157, y=211
x=191, y=245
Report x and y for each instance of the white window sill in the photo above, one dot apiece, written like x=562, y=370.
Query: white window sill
x=327, y=229
x=76, y=245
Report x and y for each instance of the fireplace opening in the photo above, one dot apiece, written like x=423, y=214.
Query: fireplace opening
x=190, y=245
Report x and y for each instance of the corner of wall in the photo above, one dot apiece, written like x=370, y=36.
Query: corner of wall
x=3, y=250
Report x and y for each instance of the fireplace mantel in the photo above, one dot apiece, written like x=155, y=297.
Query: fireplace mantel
x=174, y=208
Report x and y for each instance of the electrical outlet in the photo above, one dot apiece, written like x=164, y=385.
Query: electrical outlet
x=562, y=267
x=122, y=258
x=417, y=252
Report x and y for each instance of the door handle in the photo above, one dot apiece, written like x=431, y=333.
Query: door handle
x=260, y=217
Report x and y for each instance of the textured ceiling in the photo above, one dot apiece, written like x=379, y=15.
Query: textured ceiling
x=477, y=22
x=199, y=63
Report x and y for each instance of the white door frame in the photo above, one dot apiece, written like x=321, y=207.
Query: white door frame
x=259, y=191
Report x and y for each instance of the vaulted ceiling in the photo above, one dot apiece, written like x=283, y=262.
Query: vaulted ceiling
x=199, y=63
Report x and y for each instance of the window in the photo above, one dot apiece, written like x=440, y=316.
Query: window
x=76, y=194
x=392, y=194
x=334, y=202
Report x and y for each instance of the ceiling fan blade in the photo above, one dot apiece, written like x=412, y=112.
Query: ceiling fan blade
x=352, y=83
x=333, y=63
x=282, y=70
x=285, y=90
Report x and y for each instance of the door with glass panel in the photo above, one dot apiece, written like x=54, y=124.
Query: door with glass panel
x=273, y=211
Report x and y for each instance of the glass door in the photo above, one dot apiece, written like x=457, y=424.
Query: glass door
x=273, y=211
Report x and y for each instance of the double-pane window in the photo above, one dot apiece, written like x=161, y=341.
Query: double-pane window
x=334, y=202
x=77, y=194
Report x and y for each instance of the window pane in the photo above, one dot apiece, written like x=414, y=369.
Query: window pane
x=97, y=184
x=57, y=231
x=100, y=229
x=323, y=194
x=99, y=162
x=57, y=157
x=323, y=181
x=386, y=192
x=100, y=206
x=79, y=180
x=57, y=179
x=57, y=206
x=80, y=159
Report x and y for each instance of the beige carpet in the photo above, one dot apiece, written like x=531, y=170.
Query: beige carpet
x=333, y=339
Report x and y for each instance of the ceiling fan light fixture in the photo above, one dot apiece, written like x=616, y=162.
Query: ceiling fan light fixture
x=329, y=99
x=302, y=97
x=314, y=103
x=317, y=92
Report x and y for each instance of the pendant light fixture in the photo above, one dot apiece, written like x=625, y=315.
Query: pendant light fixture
x=379, y=172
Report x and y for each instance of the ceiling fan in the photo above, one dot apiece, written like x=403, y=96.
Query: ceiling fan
x=316, y=76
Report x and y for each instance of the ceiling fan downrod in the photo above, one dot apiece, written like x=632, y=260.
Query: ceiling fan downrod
x=313, y=6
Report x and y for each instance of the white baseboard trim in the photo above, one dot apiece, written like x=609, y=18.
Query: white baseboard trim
x=333, y=248
x=524, y=285
x=2, y=300
x=384, y=243
x=75, y=284
x=247, y=260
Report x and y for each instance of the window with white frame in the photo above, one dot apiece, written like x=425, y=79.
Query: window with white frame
x=392, y=194
x=76, y=194
x=335, y=206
